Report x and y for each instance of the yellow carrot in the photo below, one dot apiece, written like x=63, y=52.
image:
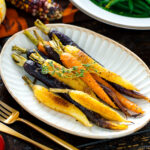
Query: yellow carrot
x=75, y=83
x=57, y=71
x=70, y=61
x=100, y=70
x=92, y=104
x=57, y=103
x=115, y=126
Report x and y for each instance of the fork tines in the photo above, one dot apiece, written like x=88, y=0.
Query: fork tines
x=4, y=112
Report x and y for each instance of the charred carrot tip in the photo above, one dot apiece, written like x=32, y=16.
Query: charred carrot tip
x=127, y=121
x=148, y=99
x=142, y=112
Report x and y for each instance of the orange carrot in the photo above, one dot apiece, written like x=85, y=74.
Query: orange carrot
x=100, y=70
x=38, y=41
x=125, y=102
x=41, y=48
x=70, y=61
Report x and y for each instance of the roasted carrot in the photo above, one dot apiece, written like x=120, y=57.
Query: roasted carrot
x=92, y=104
x=96, y=106
x=115, y=126
x=100, y=70
x=75, y=83
x=38, y=42
x=41, y=48
x=56, y=102
x=125, y=102
x=113, y=96
x=84, y=58
x=42, y=45
x=131, y=93
x=70, y=61
x=56, y=70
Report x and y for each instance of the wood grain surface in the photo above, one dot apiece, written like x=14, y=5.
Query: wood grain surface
x=139, y=43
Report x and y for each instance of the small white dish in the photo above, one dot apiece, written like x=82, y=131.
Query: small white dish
x=108, y=52
x=102, y=15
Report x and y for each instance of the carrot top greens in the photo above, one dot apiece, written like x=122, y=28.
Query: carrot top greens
x=131, y=8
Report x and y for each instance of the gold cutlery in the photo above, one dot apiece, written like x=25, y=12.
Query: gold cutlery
x=8, y=130
x=9, y=115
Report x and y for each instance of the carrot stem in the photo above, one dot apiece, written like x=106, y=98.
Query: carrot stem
x=31, y=37
x=36, y=57
x=58, y=42
x=41, y=26
x=56, y=48
x=19, y=60
x=19, y=49
x=54, y=90
x=39, y=38
x=28, y=81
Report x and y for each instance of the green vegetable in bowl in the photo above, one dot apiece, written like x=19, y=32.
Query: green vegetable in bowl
x=131, y=8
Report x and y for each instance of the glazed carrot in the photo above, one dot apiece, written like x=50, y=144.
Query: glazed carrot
x=42, y=45
x=52, y=66
x=75, y=83
x=125, y=102
x=39, y=42
x=131, y=93
x=115, y=99
x=101, y=71
x=96, y=106
x=41, y=48
x=56, y=102
x=92, y=104
x=70, y=61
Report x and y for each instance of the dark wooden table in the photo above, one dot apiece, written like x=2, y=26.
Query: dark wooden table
x=139, y=43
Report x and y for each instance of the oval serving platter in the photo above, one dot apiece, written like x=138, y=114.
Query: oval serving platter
x=111, y=54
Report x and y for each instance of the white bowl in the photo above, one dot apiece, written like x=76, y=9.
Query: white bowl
x=111, y=54
x=102, y=15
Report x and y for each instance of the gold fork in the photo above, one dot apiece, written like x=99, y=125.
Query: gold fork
x=9, y=115
x=5, y=129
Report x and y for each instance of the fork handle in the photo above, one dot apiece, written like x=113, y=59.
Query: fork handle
x=49, y=135
x=8, y=130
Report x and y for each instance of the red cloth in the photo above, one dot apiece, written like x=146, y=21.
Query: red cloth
x=2, y=143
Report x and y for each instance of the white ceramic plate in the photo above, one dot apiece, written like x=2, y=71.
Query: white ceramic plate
x=111, y=54
x=102, y=15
